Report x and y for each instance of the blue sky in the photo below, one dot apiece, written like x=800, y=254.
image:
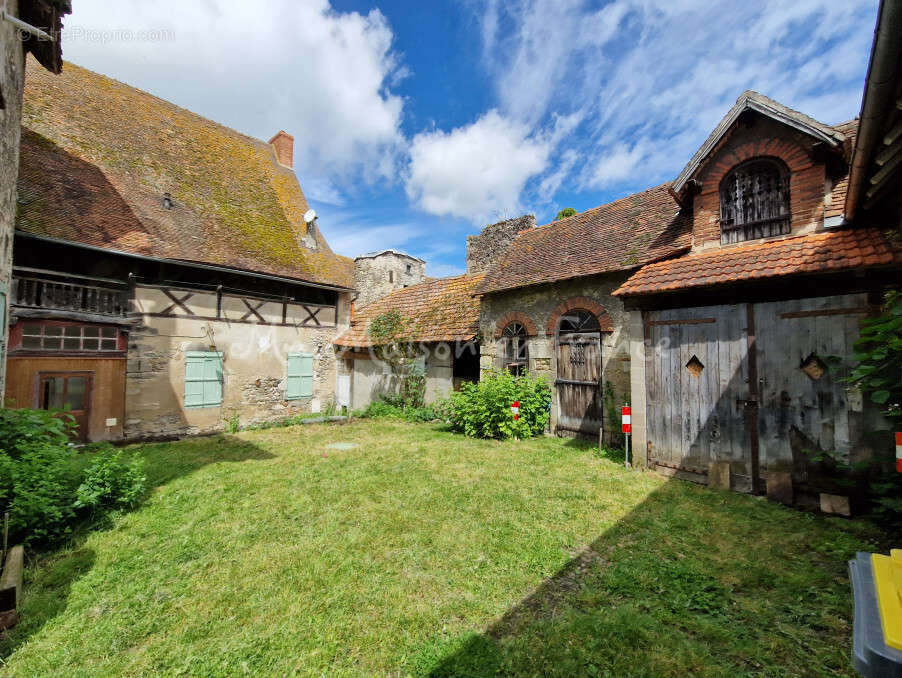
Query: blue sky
x=417, y=123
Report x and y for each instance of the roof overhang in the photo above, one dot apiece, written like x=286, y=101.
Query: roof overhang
x=752, y=101
x=186, y=262
x=878, y=146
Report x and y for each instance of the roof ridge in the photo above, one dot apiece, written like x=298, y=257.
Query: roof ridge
x=603, y=205
x=170, y=104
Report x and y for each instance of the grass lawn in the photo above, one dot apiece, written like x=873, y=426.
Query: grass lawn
x=421, y=552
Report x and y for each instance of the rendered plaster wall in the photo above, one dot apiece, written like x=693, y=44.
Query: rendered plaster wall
x=254, y=366
x=371, y=377
x=538, y=304
x=376, y=276
x=485, y=249
x=11, y=84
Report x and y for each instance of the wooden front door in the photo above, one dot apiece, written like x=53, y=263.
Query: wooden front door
x=69, y=391
x=580, y=405
x=749, y=384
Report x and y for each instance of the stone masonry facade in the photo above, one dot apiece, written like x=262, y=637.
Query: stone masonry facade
x=11, y=82
x=538, y=308
x=381, y=273
x=485, y=249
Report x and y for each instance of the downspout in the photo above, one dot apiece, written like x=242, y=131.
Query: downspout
x=878, y=93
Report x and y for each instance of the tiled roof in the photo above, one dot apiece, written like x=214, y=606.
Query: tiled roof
x=621, y=235
x=443, y=310
x=825, y=252
x=98, y=157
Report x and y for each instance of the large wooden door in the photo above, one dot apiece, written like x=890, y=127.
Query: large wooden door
x=69, y=391
x=750, y=384
x=580, y=407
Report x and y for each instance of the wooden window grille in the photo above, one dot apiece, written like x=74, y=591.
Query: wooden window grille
x=516, y=349
x=754, y=202
x=44, y=337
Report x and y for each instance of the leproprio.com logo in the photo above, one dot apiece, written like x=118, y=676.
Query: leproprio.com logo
x=104, y=36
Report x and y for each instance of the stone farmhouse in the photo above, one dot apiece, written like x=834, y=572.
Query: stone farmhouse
x=168, y=277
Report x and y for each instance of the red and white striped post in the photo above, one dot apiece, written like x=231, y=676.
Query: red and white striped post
x=515, y=409
x=627, y=429
x=899, y=451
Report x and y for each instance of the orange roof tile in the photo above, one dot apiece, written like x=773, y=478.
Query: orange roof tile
x=824, y=252
x=617, y=236
x=97, y=157
x=443, y=310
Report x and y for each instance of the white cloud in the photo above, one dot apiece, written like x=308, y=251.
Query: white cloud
x=323, y=76
x=648, y=80
x=477, y=171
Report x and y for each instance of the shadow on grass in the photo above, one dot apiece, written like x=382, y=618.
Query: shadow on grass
x=50, y=574
x=691, y=581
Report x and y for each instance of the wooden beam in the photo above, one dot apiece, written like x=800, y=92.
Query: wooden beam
x=888, y=153
x=893, y=134
x=886, y=170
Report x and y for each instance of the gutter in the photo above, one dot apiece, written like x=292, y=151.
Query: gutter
x=22, y=26
x=186, y=262
x=878, y=94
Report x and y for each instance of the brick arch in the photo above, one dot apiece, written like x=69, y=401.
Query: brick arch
x=791, y=153
x=574, y=303
x=515, y=317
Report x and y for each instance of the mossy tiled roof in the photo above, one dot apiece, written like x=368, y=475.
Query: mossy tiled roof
x=442, y=310
x=98, y=156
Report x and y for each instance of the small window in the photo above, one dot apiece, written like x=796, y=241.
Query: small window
x=409, y=269
x=203, y=379
x=299, y=376
x=42, y=337
x=516, y=349
x=754, y=201
x=391, y=276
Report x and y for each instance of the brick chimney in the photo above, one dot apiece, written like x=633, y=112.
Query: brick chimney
x=283, y=142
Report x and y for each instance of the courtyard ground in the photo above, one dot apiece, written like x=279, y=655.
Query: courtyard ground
x=421, y=552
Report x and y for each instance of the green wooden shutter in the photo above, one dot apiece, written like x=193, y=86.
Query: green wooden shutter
x=299, y=376
x=203, y=379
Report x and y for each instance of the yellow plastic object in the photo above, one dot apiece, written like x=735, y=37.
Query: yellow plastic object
x=888, y=582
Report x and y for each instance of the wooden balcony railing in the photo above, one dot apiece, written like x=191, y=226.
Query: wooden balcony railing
x=31, y=292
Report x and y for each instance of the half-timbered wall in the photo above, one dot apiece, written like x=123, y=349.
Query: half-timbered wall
x=254, y=335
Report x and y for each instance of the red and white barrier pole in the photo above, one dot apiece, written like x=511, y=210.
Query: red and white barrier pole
x=627, y=428
x=899, y=451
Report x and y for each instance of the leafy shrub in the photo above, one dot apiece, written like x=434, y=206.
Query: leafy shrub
x=482, y=409
x=44, y=484
x=111, y=482
x=387, y=407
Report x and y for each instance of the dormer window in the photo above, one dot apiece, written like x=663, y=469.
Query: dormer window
x=754, y=201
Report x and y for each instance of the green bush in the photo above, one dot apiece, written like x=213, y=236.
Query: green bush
x=111, y=482
x=482, y=409
x=46, y=484
x=388, y=407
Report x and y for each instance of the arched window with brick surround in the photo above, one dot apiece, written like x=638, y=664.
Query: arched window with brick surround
x=754, y=201
x=516, y=348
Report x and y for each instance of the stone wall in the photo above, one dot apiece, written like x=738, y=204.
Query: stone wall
x=254, y=367
x=538, y=304
x=12, y=80
x=372, y=377
x=376, y=275
x=485, y=249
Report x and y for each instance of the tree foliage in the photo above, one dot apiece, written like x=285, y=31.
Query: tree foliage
x=564, y=213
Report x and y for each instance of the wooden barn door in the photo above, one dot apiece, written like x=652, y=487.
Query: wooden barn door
x=700, y=401
x=750, y=384
x=578, y=384
x=803, y=403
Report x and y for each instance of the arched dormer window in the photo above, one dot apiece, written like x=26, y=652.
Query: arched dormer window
x=516, y=349
x=754, y=201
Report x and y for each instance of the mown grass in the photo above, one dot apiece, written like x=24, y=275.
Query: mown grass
x=421, y=552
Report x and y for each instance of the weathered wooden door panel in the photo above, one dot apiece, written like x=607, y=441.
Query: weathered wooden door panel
x=579, y=400
x=803, y=403
x=697, y=379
